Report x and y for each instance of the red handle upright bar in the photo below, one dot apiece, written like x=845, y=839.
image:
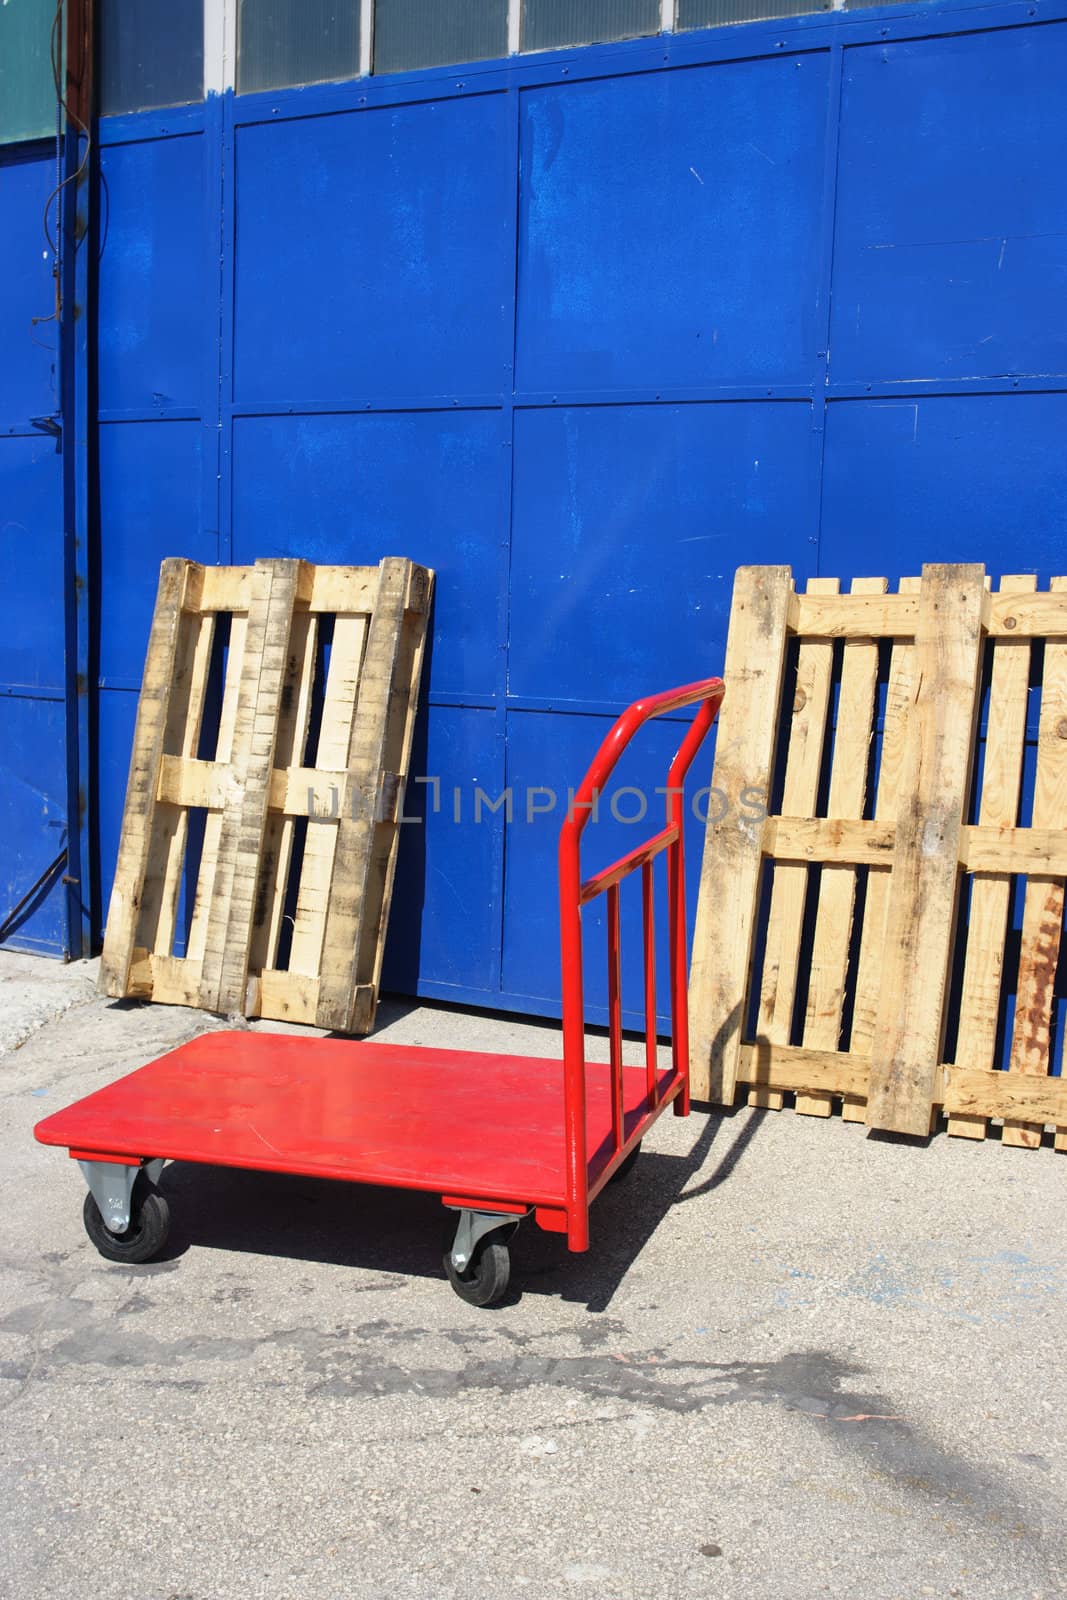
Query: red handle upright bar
x=573, y=894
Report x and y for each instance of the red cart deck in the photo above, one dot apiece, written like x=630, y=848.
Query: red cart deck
x=479, y=1126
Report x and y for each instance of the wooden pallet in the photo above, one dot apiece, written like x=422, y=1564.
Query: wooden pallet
x=291, y=897
x=842, y=993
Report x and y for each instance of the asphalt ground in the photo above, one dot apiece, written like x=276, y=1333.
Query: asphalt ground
x=797, y=1361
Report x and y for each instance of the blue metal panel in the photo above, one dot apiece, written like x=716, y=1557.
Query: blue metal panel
x=150, y=482
x=445, y=923
x=33, y=819
x=956, y=478
x=428, y=485
x=547, y=756
x=29, y=373
x=628, y=524
x=157, y=304
x=31, y=558
x=33, y=776
x=670, y=226
x=951, y=251
x=116, y=713
x=383, y=235
x=149, y=508
x=431, y=485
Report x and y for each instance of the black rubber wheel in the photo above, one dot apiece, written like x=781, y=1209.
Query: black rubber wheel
x=146, y=1234
x=485, y=1280
x=627, y=1167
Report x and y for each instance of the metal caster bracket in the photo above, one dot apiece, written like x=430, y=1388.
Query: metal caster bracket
x=473, y=1227
x=111, y=1186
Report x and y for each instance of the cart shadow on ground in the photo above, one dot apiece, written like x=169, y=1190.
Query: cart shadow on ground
x=397, y=1233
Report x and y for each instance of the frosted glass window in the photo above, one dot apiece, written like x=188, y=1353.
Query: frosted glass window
x=712, y=13
x=281, y=42
x=27, y=91
x=552, y=24
x=151, y=54
x=437, y=33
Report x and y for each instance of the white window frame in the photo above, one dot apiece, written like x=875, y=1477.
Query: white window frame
x=220, y=38
x=220, y=45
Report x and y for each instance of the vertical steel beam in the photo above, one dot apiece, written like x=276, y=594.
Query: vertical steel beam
x=366, y=37
x=74, y=336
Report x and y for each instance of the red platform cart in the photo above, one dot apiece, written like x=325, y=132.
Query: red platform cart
x=498, y=1137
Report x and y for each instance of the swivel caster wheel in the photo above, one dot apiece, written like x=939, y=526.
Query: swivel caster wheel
x=478, y=1266
x=146, y=1229
x=484, y=1282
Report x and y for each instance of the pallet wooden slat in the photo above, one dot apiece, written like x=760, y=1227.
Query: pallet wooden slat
x=984, y=848
x=366, y=841
x=139, y=812
x=907, y=1029
x=896, y=616
x=320, y=845
x=837, y=888
x=255, y=788
x=728, y=898
x=1039, y=947
x=319, y=589
x=900, y=694
x=229, y=916
x=399, y=739
x=804, y=759
x=803, y=1071
x=209, y=853
x=159, y=904
x=991, y=892
x=293, y=726
x=1008, y=1095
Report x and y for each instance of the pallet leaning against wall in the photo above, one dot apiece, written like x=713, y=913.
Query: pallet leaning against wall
x=834, y=980
x=277, y=708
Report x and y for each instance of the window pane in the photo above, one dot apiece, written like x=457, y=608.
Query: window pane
x=283, y=42
x=436, y=33
x=150, y=54
x=551, y=24
x=27, y=92
x=711, y=13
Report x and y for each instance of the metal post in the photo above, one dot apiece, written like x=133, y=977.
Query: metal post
x=74, y=336
x=648, y=933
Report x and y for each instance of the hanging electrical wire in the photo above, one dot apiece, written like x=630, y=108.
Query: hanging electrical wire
x=63, y=110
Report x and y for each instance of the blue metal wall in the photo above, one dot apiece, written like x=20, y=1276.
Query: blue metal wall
x=584, y=332
x=33, y=761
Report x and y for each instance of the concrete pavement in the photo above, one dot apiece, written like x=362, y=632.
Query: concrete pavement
x=796, y=1362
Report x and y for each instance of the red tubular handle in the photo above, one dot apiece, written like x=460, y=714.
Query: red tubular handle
x=709, y=692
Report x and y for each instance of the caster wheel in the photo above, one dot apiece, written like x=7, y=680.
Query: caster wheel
x=484, y=1280
x=146, y=1234
x=627, y=1167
